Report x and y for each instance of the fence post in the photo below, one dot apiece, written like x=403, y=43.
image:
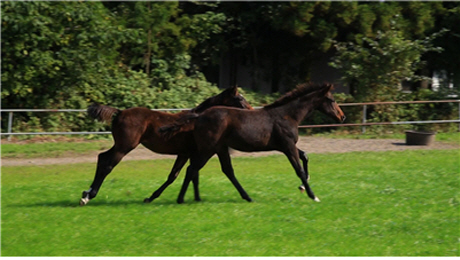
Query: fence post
x=364, y=118
x=10, y=124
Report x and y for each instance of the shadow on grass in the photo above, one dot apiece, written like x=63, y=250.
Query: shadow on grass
x=76, y=204
x=117, y=203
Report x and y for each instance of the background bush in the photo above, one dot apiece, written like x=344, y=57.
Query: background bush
x=66, y=55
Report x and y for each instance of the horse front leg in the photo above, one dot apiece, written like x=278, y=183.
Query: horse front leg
x=293, y=156
x=304, y=158
x=178, y=164
x=105, y=163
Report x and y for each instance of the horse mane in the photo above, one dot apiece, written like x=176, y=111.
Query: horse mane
x=211, y=101
x=299, y=91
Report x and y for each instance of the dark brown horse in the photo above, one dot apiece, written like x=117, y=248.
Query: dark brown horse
x=140, y=125
x=273, y=127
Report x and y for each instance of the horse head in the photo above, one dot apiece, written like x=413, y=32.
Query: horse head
x=328, y=106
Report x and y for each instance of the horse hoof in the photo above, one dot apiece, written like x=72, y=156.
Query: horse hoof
x=180, y=201
x=147, y=200
x=316, y=199
x=84, y=201
x=302, y=188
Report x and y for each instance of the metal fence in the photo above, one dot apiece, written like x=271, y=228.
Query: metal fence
x=364, y=115
x=363, y=123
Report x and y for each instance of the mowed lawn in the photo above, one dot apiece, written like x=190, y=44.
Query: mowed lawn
x=372, y=204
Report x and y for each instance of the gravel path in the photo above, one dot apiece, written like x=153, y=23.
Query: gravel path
x=308, y=144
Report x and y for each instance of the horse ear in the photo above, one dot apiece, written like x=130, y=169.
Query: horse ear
x=326, y=88
x=234, y=90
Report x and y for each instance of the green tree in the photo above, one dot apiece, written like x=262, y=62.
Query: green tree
x=164, y=33
x=447, y=61
x=69, y=54
x=53, y=52
x=285, y=38
x=61, y=55
x=375, y=69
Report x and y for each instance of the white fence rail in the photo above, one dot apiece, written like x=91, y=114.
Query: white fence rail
x=10, y=112
x=364, y=115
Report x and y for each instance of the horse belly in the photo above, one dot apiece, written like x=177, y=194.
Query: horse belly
x=246, y=147
x=179, y=144
x=250, y=141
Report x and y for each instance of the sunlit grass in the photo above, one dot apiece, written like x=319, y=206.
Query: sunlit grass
x=53, y=149
x=373, y=203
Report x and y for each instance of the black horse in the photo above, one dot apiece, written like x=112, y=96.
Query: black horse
x=137, y=125
x=273, y=127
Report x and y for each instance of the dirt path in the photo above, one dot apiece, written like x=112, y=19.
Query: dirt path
x=308, y=144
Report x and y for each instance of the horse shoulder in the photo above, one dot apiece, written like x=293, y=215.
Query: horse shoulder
x=286, y=129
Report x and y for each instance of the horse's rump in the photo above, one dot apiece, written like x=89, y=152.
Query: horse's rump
x=184, y=123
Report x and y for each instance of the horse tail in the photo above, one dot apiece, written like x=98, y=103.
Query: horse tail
x=101, y=112
x=184, y=124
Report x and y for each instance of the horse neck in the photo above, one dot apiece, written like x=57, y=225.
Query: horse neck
x=203, y=106
x=300, y=108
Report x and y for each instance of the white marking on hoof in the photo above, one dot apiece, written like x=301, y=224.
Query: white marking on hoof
x=302, y=188
x=316, y=199
x=84, y=201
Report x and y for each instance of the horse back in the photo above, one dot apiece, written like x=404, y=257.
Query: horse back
x=141, y=125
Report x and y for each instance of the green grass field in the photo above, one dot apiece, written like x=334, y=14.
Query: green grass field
x=53, y=149
x=373, y=204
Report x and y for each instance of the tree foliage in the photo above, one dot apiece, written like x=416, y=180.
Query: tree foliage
x=157, y=54
x=49, y=52
x=376, y=68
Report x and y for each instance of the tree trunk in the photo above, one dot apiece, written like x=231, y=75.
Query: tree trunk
x=149, y=45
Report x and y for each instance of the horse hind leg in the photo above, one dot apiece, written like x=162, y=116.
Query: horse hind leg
x=188, y=177
x=105, y=163
x=178, y=164
x=197, y=162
